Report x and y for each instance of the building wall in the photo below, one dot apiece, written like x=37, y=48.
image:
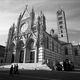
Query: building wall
x=52, y=52
x=69, y=54
x=2, y=53
x=76, y=55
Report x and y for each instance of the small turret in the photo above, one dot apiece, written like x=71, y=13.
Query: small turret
x=38, y=23
x=53, y=34
x=42, y=21
x=32, y=15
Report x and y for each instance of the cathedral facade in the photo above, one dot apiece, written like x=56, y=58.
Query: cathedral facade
x=29, y=42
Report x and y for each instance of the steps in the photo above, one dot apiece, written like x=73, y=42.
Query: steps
x=29, y=66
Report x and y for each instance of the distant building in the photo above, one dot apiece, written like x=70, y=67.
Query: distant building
x=34, y=45
x=76, y=55
x=2, y=53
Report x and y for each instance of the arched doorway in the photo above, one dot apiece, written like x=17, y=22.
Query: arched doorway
x=21, y=56
x=20, y=46
x=12, y=59
x=12, y=46
x=31, y=51
x=32, y=55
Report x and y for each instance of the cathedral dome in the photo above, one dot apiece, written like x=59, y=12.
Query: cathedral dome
x=52, y=32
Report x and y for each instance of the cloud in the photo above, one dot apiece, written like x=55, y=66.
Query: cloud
x=3, y=39
x=74, y=35
x=6, y=20
x=74, y=15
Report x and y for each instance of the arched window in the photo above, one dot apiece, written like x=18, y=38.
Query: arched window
x=12, y=59
x=52, y=46
x=21, y=56
x=66, y=51
x=61, y=31
x=59, y=18
x=47, y=43
x=57, y=47
x=30, y=44
x=61, y=27
x=76, y=52
x=60, y=22
x=61, y=35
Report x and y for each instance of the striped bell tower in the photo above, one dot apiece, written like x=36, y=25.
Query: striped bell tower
x=62, y=27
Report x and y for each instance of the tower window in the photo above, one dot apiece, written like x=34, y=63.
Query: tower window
x=61, y=31
x=61, y=35
x=59, y=12
x=59, y=18
x=60, y=22
x=61, y=26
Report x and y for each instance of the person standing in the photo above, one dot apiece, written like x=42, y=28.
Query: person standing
x=11, y=70
x=17, y=68
x=14, y=68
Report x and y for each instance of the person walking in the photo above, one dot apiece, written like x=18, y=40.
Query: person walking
x=17, y=69
x=11, y=70
x=14, y=68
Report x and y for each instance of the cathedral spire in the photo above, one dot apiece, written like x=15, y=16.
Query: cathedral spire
x=32, y=15
x=42, y=21
x=24, y=11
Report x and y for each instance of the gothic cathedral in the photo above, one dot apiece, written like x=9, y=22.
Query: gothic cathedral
x=29, y=42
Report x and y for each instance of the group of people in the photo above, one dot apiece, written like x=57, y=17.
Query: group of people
x=14, y=69
x=66, y=66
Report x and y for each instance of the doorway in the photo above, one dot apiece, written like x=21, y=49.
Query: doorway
x=12, y=59
x=32, y=55
x=21, y=56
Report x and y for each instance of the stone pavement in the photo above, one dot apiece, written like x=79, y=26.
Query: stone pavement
x=5, y=76
x=39, y=75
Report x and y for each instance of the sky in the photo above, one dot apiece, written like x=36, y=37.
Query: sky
x=10, y=10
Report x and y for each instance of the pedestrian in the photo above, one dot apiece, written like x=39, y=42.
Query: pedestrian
x=14, y=68
x=17, y=69
x=53, y=68
x=66, y=65
x=11, y=70
x=59, y=66
x=71, y=66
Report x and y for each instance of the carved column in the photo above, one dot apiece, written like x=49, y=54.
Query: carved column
x=24, y=60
